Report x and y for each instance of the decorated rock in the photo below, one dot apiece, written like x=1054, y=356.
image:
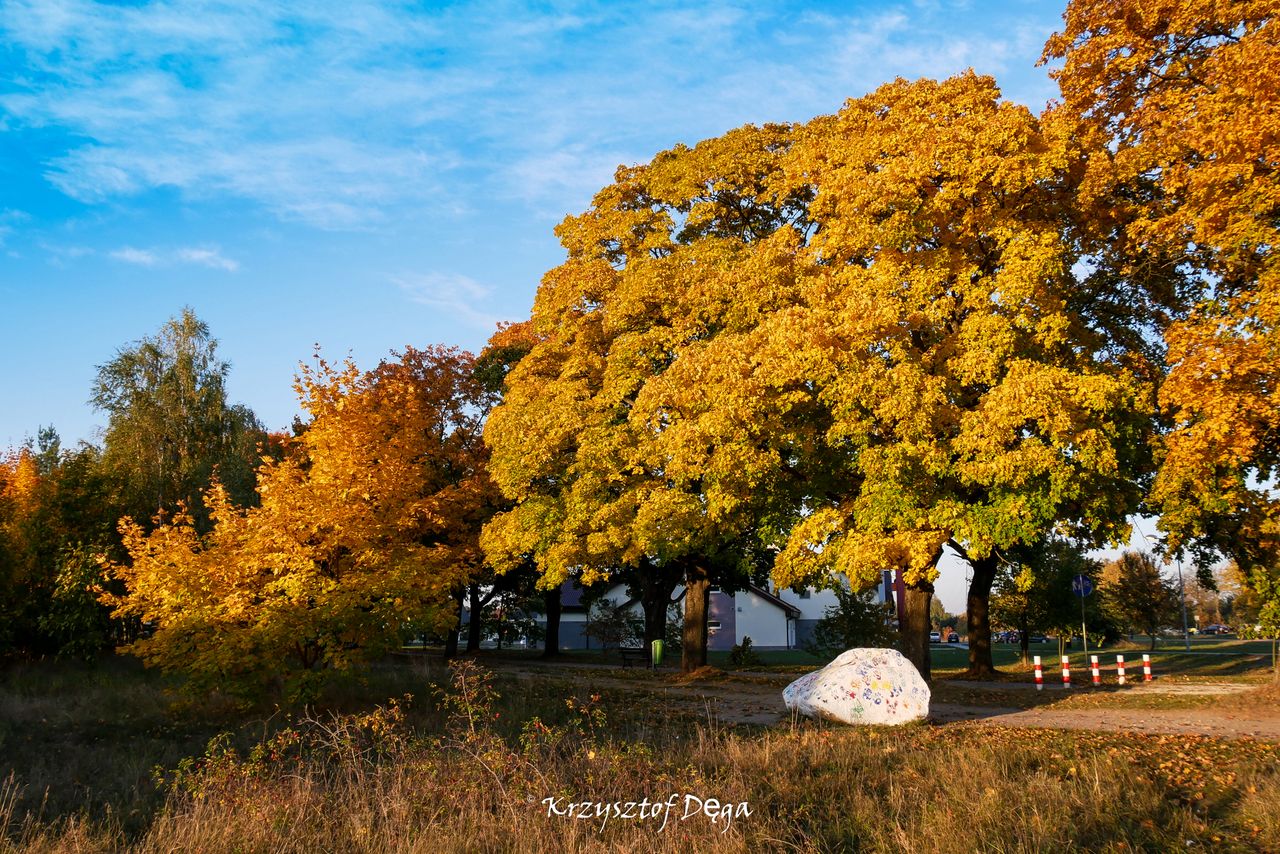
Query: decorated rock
x=862, y=686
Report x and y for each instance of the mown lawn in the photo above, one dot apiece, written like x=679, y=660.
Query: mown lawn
x=1210, y=658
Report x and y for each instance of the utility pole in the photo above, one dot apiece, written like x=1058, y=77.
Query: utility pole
x=1182, y=596
x=1182, y=593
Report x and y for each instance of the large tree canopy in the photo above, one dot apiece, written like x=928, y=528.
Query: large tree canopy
x=942, y=347
x=662, y=263
x=857, y=341
x=1188, y=93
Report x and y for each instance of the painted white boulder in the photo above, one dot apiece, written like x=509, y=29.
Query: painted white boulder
x=862, y=686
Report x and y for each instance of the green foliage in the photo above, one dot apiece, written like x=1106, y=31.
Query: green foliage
x=743, y=655
x=612, y=625
x=856, y=620
x=1136, y=595
x=1032, y=593
x=52, y=503
x=469, y=705
x=940, y=617
x=674, y=629
x=512, y=617
x=75, y=620
x=170, y=427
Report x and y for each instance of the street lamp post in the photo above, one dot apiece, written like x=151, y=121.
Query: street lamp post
x=1182, y=597
x=1182, y=594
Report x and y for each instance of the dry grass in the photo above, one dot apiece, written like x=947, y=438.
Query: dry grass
x=472, y=775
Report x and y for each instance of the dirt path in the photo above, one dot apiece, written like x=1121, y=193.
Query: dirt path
x=1213, y=722
x=759, y=701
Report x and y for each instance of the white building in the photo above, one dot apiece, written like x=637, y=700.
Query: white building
x=773, y=618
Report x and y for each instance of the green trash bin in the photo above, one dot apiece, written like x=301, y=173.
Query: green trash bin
x=655, y=652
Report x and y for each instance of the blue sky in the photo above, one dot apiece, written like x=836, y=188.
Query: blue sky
x=365, y=175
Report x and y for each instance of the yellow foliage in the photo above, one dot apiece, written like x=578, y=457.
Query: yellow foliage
x=851, y=340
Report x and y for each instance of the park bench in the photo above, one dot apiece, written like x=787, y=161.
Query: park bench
x=632, y=654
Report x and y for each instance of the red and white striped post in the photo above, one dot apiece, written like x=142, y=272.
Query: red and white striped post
x=1146, y=668
x=1120, y=669
x=1097, y=676
x=1039, y=675
x=1066, y=672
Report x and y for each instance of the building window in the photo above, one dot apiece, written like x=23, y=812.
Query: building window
x=712, y=625
x=804, y=594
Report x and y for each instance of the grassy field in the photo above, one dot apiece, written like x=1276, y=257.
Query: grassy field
x=100, y=759
x=1210, y=658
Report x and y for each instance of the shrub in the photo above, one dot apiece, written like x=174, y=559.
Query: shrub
x=856, y=619
x=612, y=625
x=743, y=655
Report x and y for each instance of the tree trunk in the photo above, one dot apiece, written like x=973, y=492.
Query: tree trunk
x=697, y=595
x=979, y=615
x=914, y=632
x=1024, y=640
x=655, y=621
x=451, y=639
x=655, y=598
x=473, y=625
x=551, y=647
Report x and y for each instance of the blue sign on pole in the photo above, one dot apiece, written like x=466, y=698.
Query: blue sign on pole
x=1081, y=586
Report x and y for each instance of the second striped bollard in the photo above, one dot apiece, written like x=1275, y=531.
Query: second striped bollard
x=1146, y=668
x=1097, y=676
x=1039, y=675
x=1066, y=672
x=1120, y=669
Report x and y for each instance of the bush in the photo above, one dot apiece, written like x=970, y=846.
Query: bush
x=857, y=619
x=613, y=626
x=743, y=655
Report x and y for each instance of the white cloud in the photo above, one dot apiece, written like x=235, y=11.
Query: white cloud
x=130, y=255
x=353, y=115
x=202, y=256
x=9, y=218
x=451, y=294
x=211, y=258
x=548, y=178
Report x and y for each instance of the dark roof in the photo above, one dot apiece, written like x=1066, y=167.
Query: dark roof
x=571, y=594
x=792, y=610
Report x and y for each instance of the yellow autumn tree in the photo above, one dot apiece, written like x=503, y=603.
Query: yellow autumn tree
x=364, y=532
x=933, y=369
x=855, y=341
x=664, y=261
x=1187, y=93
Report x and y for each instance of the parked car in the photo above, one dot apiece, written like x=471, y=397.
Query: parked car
x=1217, y=629
x=935, y=637
x=953, y=638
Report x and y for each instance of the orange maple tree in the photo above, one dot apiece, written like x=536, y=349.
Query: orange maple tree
x=1187, y=93
x=365, y=529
